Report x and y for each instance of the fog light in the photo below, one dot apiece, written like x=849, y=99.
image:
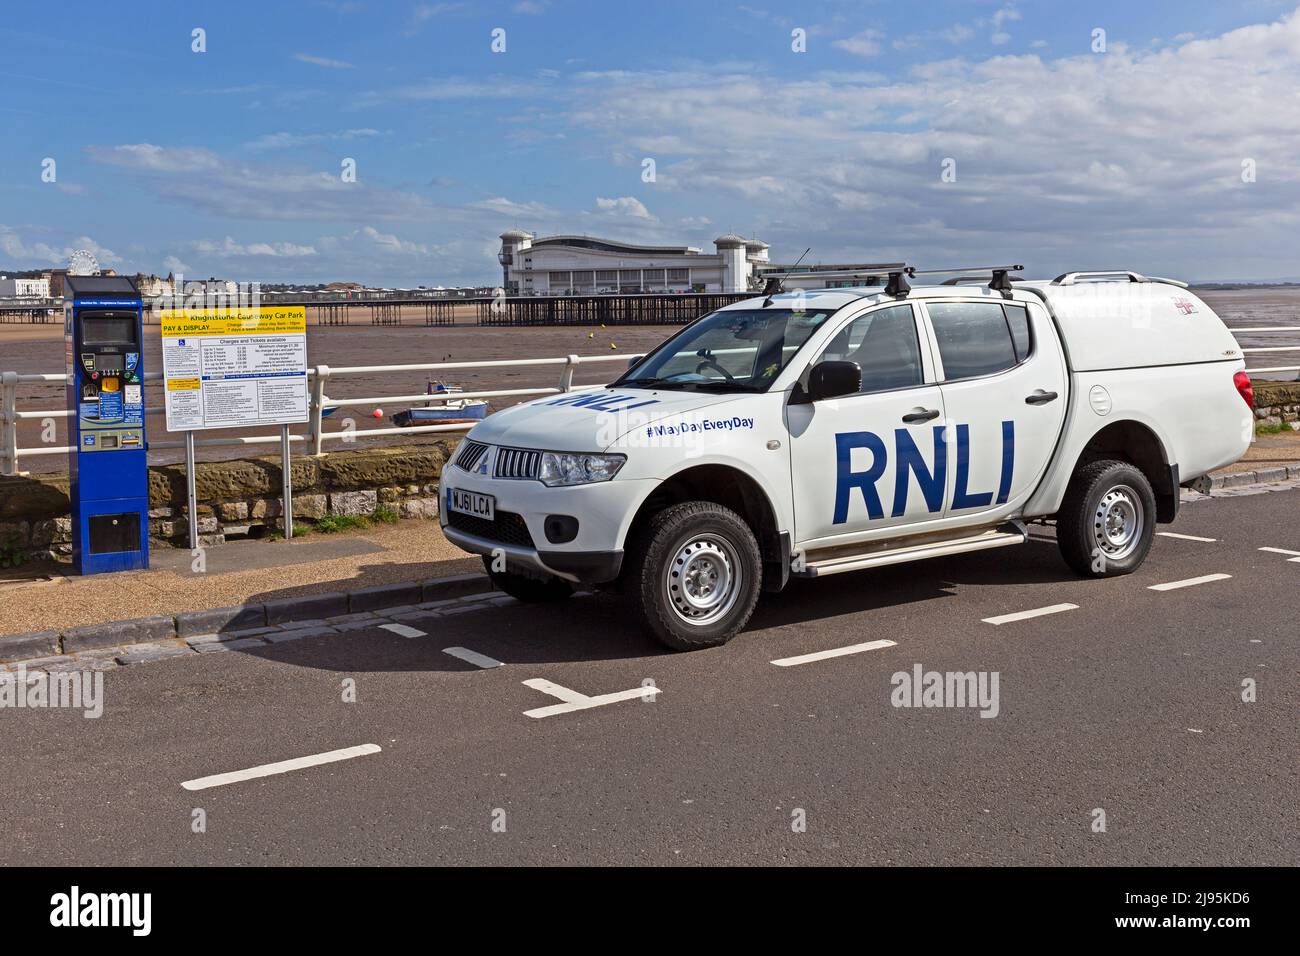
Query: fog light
x=560, y=529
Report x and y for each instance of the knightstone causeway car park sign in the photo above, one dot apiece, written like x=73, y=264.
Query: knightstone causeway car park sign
x=234, y=367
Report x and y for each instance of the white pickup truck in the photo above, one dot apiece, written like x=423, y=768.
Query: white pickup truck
x=813, y=433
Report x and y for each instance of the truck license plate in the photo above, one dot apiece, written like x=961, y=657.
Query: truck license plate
x=472, y=503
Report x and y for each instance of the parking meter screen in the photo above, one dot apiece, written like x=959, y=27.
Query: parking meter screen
x=107, y=330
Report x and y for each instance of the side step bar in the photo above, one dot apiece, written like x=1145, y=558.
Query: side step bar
x=1008, y=534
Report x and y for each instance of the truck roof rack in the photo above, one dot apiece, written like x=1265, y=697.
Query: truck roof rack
x=871, y=271
x=897, y=274
x=1000, y=282
x=1117, y=275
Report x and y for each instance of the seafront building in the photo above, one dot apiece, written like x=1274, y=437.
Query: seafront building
x=586, y=265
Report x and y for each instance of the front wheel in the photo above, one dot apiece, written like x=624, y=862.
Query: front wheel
x=695, y=575
x=1107, y=520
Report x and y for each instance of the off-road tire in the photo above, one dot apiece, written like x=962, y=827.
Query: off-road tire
x=710, y=544
x=1107, y=519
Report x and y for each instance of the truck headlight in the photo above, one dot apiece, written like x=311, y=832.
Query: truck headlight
x=565, y=468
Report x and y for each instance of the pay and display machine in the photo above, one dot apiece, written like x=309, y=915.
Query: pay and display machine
x=109, y=475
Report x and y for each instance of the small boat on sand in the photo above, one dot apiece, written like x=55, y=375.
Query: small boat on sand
x=446, y=409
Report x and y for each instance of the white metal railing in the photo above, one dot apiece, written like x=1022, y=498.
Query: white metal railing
x=320, y=377
x=1255, y=330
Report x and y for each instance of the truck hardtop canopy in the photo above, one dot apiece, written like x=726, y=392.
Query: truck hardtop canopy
x=1106, y=320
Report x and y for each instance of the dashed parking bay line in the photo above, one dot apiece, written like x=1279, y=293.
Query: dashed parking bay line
x=1027, y=615
x=283, y=766
x=834, y=652
x=402, y=630
x=1189, y=582
x=472, y=657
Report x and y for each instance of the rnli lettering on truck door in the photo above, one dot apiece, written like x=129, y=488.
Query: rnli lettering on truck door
x=910, y=463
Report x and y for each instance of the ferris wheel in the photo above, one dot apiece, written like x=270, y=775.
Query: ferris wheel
x=82, y=263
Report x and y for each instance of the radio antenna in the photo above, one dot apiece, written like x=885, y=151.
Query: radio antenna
x=776, y=284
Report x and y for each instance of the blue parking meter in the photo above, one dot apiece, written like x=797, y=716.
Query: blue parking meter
x=109, y=475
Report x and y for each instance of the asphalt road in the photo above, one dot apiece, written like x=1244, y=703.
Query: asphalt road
x=1130, y=703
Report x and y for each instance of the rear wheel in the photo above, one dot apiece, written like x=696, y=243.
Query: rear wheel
x=527, y=588
x=1107, y=520
x=695, y=575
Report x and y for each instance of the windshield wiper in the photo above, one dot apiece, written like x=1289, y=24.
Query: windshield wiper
x=725, y=386
x=652, y=382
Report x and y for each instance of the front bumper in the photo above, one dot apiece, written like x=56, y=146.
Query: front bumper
x=604, y=512
x=581, y=567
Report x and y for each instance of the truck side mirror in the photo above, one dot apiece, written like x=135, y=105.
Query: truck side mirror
x=833, y=379
x=631, y=363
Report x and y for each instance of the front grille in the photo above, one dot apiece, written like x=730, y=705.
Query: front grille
x=471, y=453
x=507, y=527
x=518, y=463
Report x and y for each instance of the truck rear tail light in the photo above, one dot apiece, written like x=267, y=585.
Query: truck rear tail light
x=1244, y=388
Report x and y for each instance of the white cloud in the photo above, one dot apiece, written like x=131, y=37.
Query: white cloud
x=509, y=208
x=865, y=44
x=228, y=248
x=1072, y=162
x=201, y=179
x=624, y=207
x=454, y=88
x=26, y=252
x=532, y=8
x=1001, y=17
x=1136, y=154
x=291, y=140
x=1005, y=15
x=957, y=33
x=322, y=61
x=425, y=12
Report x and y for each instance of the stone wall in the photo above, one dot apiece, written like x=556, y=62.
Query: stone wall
x=238, y=498
x=1277, y=402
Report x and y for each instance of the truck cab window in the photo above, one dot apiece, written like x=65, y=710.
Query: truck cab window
x=974, y=338
x=883, y=343
x=1018, y=319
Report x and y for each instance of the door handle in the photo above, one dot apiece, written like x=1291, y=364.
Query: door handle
x=921, y=415
x=1041, y=397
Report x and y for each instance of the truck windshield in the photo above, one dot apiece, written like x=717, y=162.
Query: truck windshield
x=740, y=350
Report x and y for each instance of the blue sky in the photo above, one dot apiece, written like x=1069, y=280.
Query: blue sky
x=228, y=162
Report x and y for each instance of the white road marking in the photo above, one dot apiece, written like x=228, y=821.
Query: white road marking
x=1185, y=537
x=1026, y=615
x=284, y=766
x=575, y=701
x=401, y=630
x=472, y=657
x=1175, y=585
x=837, y=652
x=1281, y=551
